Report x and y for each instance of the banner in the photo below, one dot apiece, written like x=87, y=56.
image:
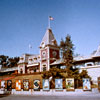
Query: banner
x=46, y=84
x=18, y=85
x=58, y=84
x=2, y=85
x=9, y=85
x=25, y=85
x=86, y=84
x=70, y=84
x=36, y=85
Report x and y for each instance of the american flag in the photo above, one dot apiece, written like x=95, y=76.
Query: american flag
x=51, y=18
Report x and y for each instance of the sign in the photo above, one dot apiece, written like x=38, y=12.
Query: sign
x=9, y=85
x=36, y=85
x=58, y=84
x=70, y=84
x=25, y=85
x=2, y=85
x=18, y=85
x=46, y=84
x=99, y=84
x=86, y=84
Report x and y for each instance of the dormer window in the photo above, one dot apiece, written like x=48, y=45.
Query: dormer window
x=43, y=44
x=54, y=42
x=38, y=57
x=21, y=58
x=35, y=58
x=30, y=59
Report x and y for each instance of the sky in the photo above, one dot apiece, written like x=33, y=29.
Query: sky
x=24, y=22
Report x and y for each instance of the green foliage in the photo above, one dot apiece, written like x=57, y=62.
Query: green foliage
x=84, y=74
x=66, y=48
x=78, y=80
x=3, y=60
x=13, y=61
x=6, y=62
x=54, y=72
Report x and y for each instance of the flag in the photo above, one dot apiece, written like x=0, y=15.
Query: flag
x=51, y=18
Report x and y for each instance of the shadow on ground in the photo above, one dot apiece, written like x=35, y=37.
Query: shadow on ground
x=4, y=95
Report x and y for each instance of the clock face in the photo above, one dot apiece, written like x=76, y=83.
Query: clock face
x=44, y=53
x=54, y=53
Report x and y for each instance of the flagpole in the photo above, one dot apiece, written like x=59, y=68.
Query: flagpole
x=29, y=50
x=48, y=22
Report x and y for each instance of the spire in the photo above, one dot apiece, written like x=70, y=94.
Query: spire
x=48, y=39
x=98, y=51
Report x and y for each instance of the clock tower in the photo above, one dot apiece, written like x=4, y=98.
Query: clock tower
x=49, y=50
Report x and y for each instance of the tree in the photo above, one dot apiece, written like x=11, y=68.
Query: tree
x=66, y=48
x=6, y=61
x=79, y=77
x=3, y=60
x=54, y=72
x=84, y=74
x=13, y=61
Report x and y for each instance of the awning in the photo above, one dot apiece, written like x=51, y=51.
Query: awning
x=9, y=69
x=58, y=61
x=7, y=78
x=35, y=64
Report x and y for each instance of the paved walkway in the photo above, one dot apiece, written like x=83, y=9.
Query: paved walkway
x=58, y=97
x=77, y=92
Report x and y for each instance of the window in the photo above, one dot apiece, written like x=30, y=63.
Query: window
x=62, y=67
x=97, y=63
x=35, y=58
x=30, y=59
x=89, y=64
x=21, y=71
x=44, y=67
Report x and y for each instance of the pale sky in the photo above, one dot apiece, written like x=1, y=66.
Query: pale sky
x=24, y=22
